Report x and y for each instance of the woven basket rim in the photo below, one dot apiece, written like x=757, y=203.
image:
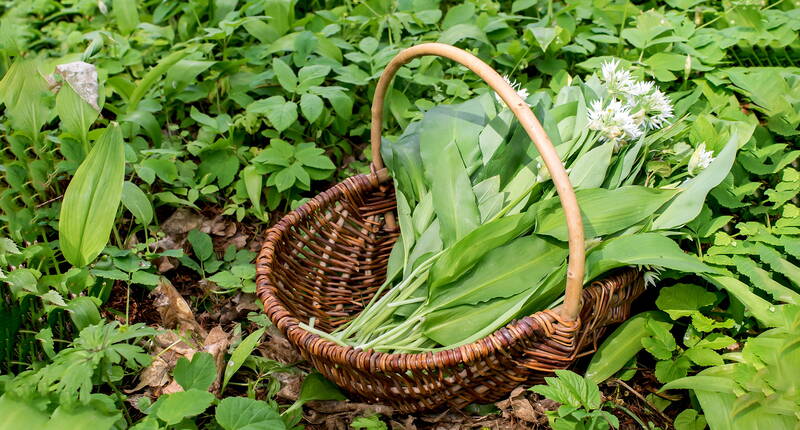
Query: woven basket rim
x=543, y=323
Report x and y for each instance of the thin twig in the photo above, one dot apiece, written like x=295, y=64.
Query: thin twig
x=641, y=397
x=49, y=201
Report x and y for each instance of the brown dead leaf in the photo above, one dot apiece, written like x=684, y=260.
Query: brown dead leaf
x=164, y=264
x=174, y=311
x=277, y=347
x=406, y=423
x=167, y=349
x=340, y=406
x=216, y=343
x=239, y=241
x=218, y=226
x=247, y=302
x=290, y=385
x=181, y=222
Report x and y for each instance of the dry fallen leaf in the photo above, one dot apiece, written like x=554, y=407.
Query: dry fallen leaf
x=81, y=76
x=216, y=343
x=181, y=221
x=174, y=311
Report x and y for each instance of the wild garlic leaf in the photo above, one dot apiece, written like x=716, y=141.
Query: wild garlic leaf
x=91, y=200
x=461, y=256
x=642, y=249
x=240, y=354
x=589, y=171
x=620, y=346
x=690, y=202
x=503, y=272
x=75, y=113
x=604, y=212
x=136, y=201
x=454, y=200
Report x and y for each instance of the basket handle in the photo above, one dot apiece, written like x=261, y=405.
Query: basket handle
x=577, y=255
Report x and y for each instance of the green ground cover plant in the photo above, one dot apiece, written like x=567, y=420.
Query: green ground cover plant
x=147, y=145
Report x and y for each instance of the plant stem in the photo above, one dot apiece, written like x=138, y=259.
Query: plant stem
x=121, y=399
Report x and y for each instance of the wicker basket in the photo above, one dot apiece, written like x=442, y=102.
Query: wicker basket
x=326, y=260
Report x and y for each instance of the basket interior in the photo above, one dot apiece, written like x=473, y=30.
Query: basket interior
x=329, y=264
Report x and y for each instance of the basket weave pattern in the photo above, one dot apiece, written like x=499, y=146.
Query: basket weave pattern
x=326, y=260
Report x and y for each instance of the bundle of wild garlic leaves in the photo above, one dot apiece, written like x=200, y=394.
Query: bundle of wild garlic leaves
x=483, y=238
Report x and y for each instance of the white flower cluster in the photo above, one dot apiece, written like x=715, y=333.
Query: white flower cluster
x=634, y=107
x=701, y=159
x=521, y=92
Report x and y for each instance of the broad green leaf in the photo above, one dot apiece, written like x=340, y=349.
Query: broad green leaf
x=173, y=408
x=406, y=225
x=642, y=249
x=684, y=299
x=570, y=389
x=126, y=14
x=83, y=311
x=24, y=92
x=341, y=102
x=241, y=413
x=454, y=202
x=152, y=77
x=315, y=387
x=76, y=114
x=163, y=168
x=765, y=312
x=185, y=72
x=99, y=414
x=311, y=105
x=136, y=201
x=460, y=32
x=199, y=373
x=589, y=171
x=660, y=343
x=503, y=272
x=689, y=419
x=670, y=370
x=285, y=75
x=240, y=354
x=690, y=201
x=494, y=134
x=201, y=244
x=620, y=346
x=603, y=211
x=91, y=200
x=252, y=183
x=372, y=423
x=704, y=357
x=283, y=116
x=460, y=325
x=462, y=255
x=310, y=76
x=144, y=278
x=544, y=35
x=18, y=414
x=226, y=279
